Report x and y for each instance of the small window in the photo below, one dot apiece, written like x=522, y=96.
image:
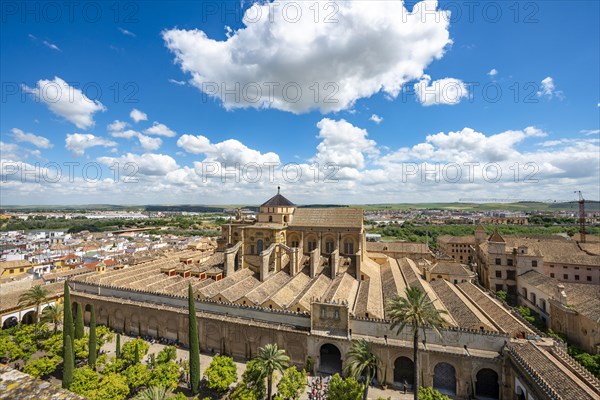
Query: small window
x=498, y=274
x=499, y=288
x=589, y=278
x=576, y=277
x=589, y=269
x=534, y=263
x=564, y=267
x=552, y=266
x=509, y=262
x=498, y=261
x=566, y=276
x=552, y=275
x=576, y=267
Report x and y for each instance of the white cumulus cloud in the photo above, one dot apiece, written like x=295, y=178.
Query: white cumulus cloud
x=229, y=152
x=548, y=89
x=37, y=141
x=77, y=143
x=493, y=72
x=160, y=130
x=376, y=118
x=449, y=91
x=343, y=144
x=148, y=164
x=66, y=101
x=149, y=143
x=276, y=61
x=138, y=115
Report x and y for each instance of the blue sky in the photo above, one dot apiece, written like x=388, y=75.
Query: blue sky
x=500, y=83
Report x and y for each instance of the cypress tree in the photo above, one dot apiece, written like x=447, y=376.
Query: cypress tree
x=78, y=321
x=68, y=329
x=118, y=347
x=92, y=343
x=136, y=354
x=68, y=364
x=194, y=345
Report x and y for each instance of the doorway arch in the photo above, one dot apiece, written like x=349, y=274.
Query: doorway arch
x=28, y=317
x=444, y=378
x=10, y=322
x=404, y=370
x=486, y=386
x=330, y=359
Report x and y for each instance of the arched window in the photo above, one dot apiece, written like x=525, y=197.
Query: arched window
x=329, y=246
x=348, y=246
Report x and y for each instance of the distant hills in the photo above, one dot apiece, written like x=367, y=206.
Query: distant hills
x=590, y=205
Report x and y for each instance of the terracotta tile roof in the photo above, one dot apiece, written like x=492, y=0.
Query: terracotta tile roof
x=328, y=217
x=562, y=381
x=493, y=310
x=269, y=287
x=466, y=315
x=456, y=239
x=277, y=201
x=451, y=268
x=398, y=247
x=496, y=237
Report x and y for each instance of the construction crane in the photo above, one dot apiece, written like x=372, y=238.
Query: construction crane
x=581, y=217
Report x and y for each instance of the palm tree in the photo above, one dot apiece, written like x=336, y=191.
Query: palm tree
x=362, y=361
x=35, y=296
x=418, y=312
x=154, y=393
x=53, y=315
x=271, y=359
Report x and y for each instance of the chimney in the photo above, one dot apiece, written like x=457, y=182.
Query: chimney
x=561, y=296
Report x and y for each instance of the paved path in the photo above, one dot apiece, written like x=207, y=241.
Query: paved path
x=205, y=359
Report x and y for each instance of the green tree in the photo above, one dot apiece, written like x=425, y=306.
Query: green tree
x=35, y=296
x=292, y=384
x=136, y=375
x=53, y=315
x=154, y=393
x=345, y=389
x=85, y=382
x=115, y=365
x=502, y=294
x=270, y=358
x=68, y=328
x=168, y=353
x=128, y=350
x=68, y=364
x=194, y=345
x=252, y=386
x=80, y=347
x=136, y=354
x=93, y=340
x=118, y=346
x=42, y=367
x=428, y=393
x=362, y=362
x=221, y=373
x=78, y=321
x=104, y=334
x=165, y=375
x=417, y=311
x=113, y=386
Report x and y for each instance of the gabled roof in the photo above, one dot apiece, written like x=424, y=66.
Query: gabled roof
x=480, y=228
x=277, y=200
x=496, y=238
x=328, y=217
